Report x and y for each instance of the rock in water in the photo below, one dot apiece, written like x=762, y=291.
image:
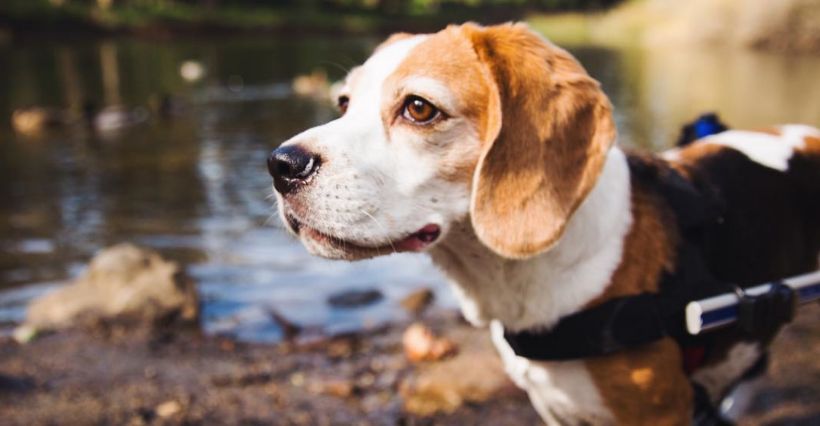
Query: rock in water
x=417, y=301
x=355, y=298
x=123, y=282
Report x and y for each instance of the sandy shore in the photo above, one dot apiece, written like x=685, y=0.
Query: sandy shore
x=118, y=375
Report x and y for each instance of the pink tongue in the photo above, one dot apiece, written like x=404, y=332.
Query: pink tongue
x=420, y=239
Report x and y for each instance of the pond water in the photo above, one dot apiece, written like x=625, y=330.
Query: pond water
x=194, y=186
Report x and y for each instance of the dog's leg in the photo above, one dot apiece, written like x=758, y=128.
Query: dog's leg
x=739, y=400
x=740, y=396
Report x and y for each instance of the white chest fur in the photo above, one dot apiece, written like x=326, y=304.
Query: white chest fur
x=537, y=292
x=562, y=392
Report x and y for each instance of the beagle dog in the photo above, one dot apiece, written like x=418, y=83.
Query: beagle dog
x=495, y=152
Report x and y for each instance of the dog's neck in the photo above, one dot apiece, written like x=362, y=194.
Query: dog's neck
x=537, y=292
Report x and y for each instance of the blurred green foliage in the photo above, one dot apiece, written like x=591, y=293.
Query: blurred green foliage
x=385, y=6
x=338, y=15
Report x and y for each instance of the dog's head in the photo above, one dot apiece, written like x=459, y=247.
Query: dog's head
x=491, y=123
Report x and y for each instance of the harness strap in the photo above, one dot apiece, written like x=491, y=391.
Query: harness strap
x=764, y=315
x=612, y=326
x=631, y=321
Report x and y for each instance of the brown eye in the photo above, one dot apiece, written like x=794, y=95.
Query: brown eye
x=342, y=103
x=418, y=110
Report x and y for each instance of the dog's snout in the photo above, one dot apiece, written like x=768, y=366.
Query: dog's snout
x=290, y=166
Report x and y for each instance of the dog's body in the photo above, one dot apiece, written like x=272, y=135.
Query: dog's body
x=494, y=151
x=769, y=232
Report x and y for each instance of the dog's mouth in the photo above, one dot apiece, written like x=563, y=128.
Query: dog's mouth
x=414, y=242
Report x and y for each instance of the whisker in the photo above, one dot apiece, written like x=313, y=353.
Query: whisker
x=337, y=65
x=273, y=222
x=392, y=247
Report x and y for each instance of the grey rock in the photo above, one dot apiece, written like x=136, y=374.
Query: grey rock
x=122, y=282
x=418, y=301
x=355, y=298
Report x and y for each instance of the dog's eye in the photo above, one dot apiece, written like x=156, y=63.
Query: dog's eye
x=419, y=110
x=342, y=103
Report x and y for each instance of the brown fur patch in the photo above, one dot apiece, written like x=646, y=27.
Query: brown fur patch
x=644, y=385
x=556, y=127
x=812, y=145
x=696, y=151
x=446, y=57
x=691, y=154
x=639, y=387
x=648, y=250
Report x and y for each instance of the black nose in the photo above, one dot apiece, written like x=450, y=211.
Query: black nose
x=290, y=166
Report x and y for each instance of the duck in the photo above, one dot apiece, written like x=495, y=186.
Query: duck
x=314, y=85
x=36, y=119
x=113, y=117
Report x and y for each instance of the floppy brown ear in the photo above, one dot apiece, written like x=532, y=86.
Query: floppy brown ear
x=556, y=127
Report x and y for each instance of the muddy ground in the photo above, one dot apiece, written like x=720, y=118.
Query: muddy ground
x=118, y=375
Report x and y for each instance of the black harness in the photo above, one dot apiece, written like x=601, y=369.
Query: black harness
x=618, y=324
x=631, y=321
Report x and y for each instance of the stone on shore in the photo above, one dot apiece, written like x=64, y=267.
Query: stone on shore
x=474, y=375
x=168, y=409
x=421, y=344
x=122, y=282
x=418, y=301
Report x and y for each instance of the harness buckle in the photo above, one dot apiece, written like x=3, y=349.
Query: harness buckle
x=764, y=314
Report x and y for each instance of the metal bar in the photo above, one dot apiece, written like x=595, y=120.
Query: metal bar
x=718, y=311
